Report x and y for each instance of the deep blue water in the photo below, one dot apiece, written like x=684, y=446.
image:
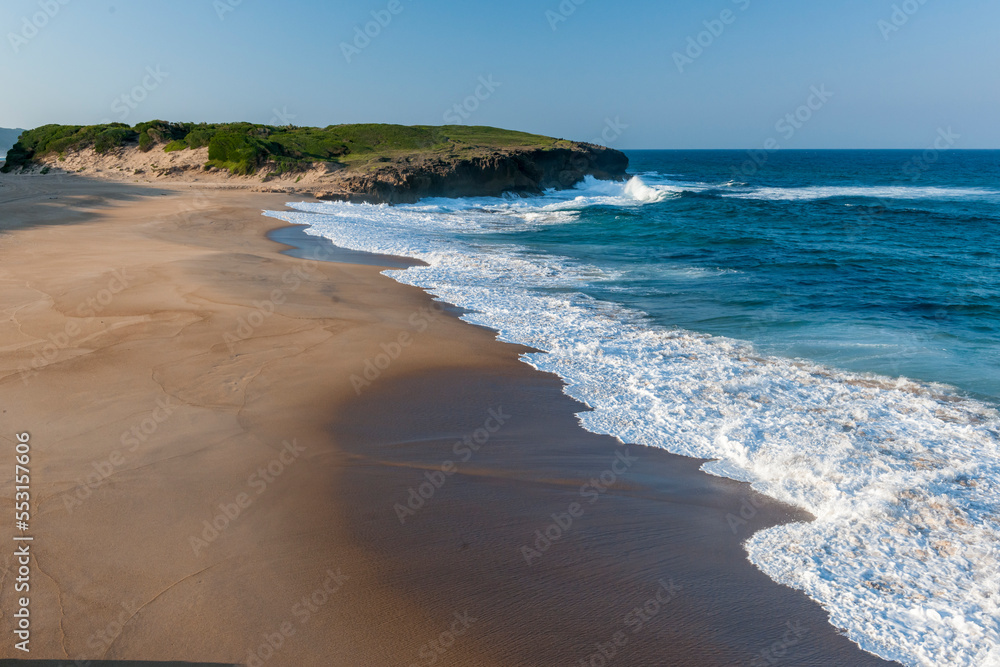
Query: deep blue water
x=862, y=260
x=639, y=295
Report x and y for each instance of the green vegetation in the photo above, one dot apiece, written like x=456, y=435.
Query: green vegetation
x=112, y=137
x=245, y=148
x=240, y=150
x=8, y=137
x=200, y=136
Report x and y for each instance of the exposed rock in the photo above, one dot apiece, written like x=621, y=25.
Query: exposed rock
x=522, y=171
x=385, y=179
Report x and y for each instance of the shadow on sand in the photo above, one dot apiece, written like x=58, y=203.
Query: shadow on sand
x=110, y=663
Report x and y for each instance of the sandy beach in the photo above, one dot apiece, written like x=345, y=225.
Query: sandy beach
x=240, y=456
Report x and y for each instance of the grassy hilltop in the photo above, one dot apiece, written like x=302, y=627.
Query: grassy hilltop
x=243, y=148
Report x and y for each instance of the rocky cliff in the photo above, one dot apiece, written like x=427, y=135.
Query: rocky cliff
x=358, y=163
x=522, y=171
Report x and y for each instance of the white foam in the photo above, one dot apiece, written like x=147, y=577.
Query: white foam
x=904, y=480
x=872, y=192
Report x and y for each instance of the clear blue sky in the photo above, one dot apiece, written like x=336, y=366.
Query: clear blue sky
x=607, y=60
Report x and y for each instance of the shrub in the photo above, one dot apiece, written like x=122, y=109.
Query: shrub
x=178, y=145
x=162, y=131
x=234, y=150
x=112, y=137
x=200, y=136
x=17, y=157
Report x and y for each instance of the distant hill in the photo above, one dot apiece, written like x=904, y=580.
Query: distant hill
x=367, y=162
x=7, y=140
x=243, y=148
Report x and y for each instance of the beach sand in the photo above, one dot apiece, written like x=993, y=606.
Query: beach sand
x=375, y=469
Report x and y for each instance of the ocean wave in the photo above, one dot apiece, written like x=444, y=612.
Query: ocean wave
x=511, y=213
x=868, y=192
x=901, y=476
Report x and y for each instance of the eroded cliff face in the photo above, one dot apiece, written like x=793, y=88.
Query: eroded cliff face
x=523, y=171
x=391, y=180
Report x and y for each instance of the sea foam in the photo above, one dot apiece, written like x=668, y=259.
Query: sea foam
x=872, y=192
x=902, y=477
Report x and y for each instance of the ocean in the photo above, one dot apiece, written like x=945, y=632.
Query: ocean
x=822, y=324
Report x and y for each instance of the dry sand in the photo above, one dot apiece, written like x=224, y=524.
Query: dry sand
x=172, y=365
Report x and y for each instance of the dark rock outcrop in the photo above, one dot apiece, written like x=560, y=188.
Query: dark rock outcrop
x=521, y=171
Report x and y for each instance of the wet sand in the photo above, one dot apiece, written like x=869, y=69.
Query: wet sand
x=242, y=456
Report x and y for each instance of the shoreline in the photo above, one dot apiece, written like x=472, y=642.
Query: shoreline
x=304, y=246
x=657, y=531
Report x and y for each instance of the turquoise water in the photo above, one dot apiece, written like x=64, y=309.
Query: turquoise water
x=823, y=325
x=835, y=256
